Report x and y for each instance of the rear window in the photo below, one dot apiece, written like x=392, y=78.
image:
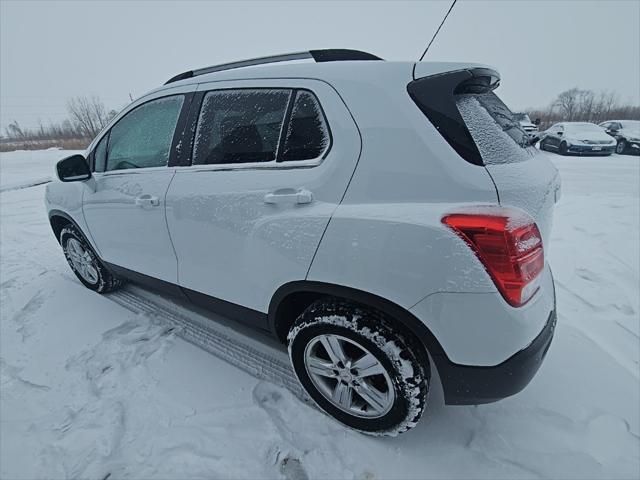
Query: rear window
x=240, y=126
x=464, y=109
x=494, y=128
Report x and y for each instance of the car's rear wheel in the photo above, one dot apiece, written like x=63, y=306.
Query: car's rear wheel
x=85, y=263
x=358, y=368
x=621, y=146
x=564, y=149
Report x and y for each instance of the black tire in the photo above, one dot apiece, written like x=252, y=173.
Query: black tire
x=542, y=145
x=564, y=149
x=105, y=281
x=402, y=357
x=621, y=146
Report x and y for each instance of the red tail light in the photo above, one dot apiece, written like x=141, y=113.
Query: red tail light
x=510, y=247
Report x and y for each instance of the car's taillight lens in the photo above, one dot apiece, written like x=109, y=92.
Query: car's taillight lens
x=509, y=245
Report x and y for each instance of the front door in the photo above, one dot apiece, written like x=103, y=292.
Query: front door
x=125, y=207
x=270, y=165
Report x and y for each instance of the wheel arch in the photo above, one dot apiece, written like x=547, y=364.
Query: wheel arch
x=58, y=220
x=290, y=300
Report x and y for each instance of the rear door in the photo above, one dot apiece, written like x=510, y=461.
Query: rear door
x=271, y=161
x=125, y=208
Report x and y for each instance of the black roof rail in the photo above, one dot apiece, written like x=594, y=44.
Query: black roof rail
x=328, y=55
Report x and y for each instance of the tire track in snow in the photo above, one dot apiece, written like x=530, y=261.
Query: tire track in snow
x=189, y=327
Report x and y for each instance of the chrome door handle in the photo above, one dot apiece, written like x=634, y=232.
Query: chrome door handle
x=147, y=201
x=289, y=195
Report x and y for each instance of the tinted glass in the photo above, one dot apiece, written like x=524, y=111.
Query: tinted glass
x=497, y=134
x=240, y=126
x=307, y=135
x=100, y=155
x=143, y=137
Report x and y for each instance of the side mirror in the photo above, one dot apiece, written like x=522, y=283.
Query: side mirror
x=560, y=134
x=536, y=122
x=73, y=169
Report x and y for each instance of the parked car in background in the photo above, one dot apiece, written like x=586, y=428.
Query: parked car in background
x=527, y=125
x=626, y=133
x=384, y=220
x=579, y=138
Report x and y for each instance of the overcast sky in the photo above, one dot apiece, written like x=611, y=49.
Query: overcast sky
x=53, y=50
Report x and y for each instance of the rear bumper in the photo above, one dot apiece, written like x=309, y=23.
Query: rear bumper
x=471, y=385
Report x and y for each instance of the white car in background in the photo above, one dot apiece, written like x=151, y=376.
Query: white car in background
x=577, y=138
x=527, y=125
x=384, y=220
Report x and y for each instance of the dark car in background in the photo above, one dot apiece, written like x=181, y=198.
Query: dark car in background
x=579, y=138
x=626, y=133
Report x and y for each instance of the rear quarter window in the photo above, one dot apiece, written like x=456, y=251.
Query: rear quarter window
x=494, y=128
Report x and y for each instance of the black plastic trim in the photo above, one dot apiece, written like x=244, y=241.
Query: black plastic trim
x=435, y=97
x=284, y=129
x=341, y=55
x=468, y=385
x=247, y=316
x=244, y=315
x=177, y=157
x=151, y=282
x=327, y=55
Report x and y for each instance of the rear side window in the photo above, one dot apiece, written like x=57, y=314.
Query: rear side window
x=142, y=138
x=464, y=109
x=307, y=134
x=259, y=126
x=240, y=126
x=498, y=135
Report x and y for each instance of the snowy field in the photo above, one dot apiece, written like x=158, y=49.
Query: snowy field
x=100, y=386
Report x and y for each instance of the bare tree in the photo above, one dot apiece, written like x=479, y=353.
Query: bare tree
x=88, y=114
x=14, y=130
x=567, y=102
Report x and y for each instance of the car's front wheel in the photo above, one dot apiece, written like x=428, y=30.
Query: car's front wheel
x=621, y=146
x=358, y=368
x=85, y=263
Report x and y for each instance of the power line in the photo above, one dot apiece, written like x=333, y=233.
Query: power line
x=438, y=31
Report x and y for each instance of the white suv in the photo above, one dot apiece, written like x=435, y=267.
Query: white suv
x=385, y=220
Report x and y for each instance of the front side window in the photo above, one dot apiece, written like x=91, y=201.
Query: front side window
x=240, y=126
x=307, y=134
x=143, y=137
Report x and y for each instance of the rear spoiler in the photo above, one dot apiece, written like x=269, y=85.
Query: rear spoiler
x=435, y=97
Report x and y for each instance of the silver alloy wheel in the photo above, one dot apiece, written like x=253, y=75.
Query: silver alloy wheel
x=82, y=261
x=620, y=146
x=349, y=376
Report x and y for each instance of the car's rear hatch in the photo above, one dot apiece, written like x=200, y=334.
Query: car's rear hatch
x=464, y=108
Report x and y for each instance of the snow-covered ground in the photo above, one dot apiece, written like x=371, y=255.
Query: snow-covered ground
x=94, y=386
